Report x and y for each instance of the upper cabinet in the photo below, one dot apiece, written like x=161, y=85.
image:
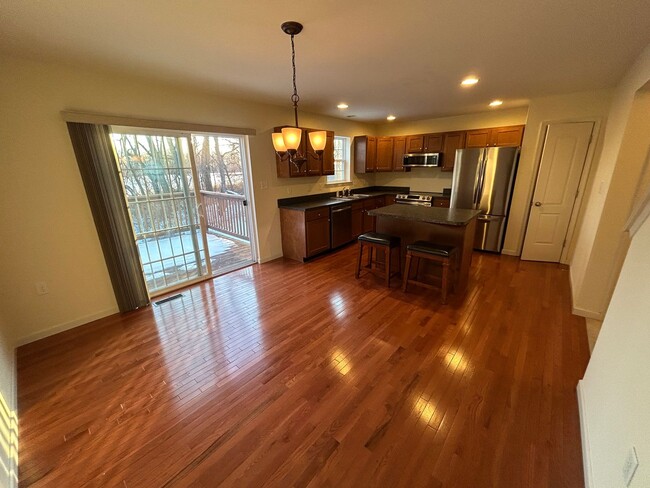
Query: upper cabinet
x=495, y=136
x=399, y=149
x=433, y=143
x=365, y=154
x=414, y=144
x=427, y=143
x=328, y=155
x=453, y=141
x=384, y=154
x=314, y=166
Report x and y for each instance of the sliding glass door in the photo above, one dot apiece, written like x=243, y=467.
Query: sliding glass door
x=185, y=204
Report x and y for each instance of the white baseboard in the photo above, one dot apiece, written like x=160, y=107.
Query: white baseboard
x=589, y=314
x=55, y=329
x=584, y=435
x=509, y=252
x=266, y=259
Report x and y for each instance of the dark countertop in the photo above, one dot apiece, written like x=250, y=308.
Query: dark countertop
x=430, y=215
x=329, y=199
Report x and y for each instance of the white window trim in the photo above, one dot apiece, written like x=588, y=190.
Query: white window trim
x=347, y=177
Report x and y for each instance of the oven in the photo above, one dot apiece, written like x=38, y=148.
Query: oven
x=412, y=199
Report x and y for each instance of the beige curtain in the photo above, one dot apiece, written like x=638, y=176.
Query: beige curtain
x=98, y=168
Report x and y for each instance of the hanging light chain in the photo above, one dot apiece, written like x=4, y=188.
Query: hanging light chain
x=294, y=98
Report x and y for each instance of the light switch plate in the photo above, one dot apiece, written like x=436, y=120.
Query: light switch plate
x=629, y=468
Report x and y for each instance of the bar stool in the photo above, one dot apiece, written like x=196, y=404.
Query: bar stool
x=436, y=253
x=375, y=241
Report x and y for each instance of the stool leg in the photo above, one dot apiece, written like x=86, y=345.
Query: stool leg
x=407, y=268
x=358, y=271
x=445, y=277
x=399, y=260
x=370, y=248
x=387, y=253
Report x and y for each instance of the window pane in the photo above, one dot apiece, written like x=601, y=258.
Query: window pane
x=341, y=160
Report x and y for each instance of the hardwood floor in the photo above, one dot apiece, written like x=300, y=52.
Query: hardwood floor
x=287, y=374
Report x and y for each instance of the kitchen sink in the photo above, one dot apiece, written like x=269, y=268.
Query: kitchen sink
x=353, y=197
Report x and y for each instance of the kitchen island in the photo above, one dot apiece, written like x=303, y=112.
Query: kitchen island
x=451, y=226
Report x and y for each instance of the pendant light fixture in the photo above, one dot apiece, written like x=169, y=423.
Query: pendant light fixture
x=287, y=142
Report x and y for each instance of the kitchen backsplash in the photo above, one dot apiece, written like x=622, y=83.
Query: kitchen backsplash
x=418, y=179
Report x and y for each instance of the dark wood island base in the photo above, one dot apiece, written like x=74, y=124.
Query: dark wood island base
x=454, y=227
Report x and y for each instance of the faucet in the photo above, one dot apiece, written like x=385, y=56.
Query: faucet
x=346, y=191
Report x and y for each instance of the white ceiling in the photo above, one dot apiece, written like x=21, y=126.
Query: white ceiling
x=379, y=56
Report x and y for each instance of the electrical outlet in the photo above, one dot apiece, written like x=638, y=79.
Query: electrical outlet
x=41, y=288
x=629, y=468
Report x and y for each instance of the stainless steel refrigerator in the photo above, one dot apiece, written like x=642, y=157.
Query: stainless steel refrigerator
x=483, y=179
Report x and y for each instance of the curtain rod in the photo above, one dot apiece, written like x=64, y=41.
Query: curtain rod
x=103, y=119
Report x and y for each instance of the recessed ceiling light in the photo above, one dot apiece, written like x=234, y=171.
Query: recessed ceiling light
x=469, y=81
x=342, y=106
x=391, y=118
x=496, y=103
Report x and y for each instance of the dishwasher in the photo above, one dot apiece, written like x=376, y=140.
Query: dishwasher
x=341, y=225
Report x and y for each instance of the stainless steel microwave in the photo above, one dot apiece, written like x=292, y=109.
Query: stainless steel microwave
x=426, y=160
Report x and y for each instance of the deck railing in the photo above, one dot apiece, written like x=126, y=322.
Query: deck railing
x=226, y=213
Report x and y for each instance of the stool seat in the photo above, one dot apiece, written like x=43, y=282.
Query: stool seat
x=439, y=254
x=431, y=248
x=380, y=239
x=385, y=243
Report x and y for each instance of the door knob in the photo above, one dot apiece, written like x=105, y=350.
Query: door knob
x=538, y=204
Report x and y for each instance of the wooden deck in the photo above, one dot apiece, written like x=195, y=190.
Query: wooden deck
x=289, y=374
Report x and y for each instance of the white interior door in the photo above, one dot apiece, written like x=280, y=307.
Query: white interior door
x=563, y=159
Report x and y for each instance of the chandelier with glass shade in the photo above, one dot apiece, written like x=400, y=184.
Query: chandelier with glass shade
x=287, y=142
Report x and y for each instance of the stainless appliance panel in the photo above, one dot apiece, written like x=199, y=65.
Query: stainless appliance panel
x=489, y=232
x=497, y=173
x=341, y=225
x=466, y=178
x=421, y=160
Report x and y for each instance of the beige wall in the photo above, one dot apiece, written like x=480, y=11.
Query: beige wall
x=8, y=418
x=47, y=228
x=601, y=243
x=542, y=111
x=615, y=392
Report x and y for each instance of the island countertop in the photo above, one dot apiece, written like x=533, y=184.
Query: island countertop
x=430, y=215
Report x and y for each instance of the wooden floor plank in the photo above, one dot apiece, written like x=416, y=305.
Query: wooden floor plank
x=289, y=374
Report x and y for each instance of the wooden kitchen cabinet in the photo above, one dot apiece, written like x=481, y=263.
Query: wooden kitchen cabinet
x=384, y=154
x=441, y=202
x=433, y=143
x=453, y=141
x=328, y=155
x=365, y=154
x=357, y=219
x=371, y=204
x=414, y=144
x=305, y=233
x=389, y=200
x=495, y=136
x=314, y=166
x=399, y=149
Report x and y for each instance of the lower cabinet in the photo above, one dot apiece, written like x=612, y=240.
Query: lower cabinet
x=441, y=202
x=305, y=233
x=357, y=219
x=371, y=204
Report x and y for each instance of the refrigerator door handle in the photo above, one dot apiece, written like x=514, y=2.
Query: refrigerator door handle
x=481, y=181
x=477, y=180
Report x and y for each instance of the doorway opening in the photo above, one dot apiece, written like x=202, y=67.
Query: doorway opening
x=188, y=200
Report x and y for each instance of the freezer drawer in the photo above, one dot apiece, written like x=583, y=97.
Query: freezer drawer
x=489, y=232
